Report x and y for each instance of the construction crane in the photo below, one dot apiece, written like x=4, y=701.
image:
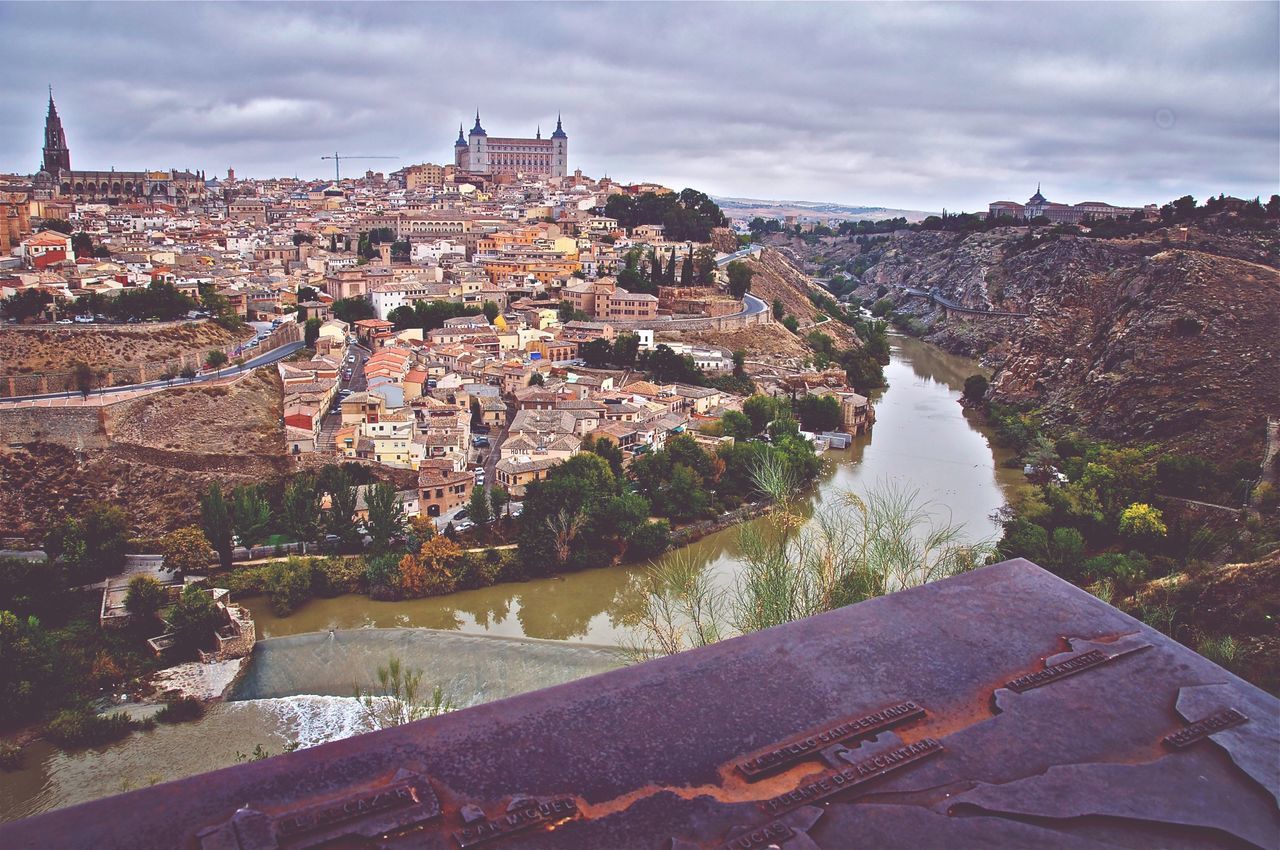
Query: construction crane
x=337, y=162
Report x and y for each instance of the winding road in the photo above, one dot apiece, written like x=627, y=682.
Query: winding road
x=268, y=358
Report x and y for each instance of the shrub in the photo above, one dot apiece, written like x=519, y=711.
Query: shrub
x=336, y=576
x=1066, y=550
x=81, y=727
x=382, y=575
x=975, y=388
x=1141, y=521
x=1220, y=650
x=180, y=710
x=1123, y=570
x=145, y=597
x=10, y=756
x=288, y=585
x=649, y=540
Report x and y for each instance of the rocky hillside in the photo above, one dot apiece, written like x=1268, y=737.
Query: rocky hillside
x=1153, y=339
x=151, y=455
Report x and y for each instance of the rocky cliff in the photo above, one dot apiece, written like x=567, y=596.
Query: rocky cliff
x=1154, y=339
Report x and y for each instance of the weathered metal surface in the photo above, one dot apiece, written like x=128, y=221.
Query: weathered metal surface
x=648, y=757
x=809, y=744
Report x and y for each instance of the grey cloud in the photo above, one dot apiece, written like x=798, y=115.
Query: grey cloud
x=914, y=105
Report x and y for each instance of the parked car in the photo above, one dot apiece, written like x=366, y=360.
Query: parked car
x=64, y=322
x=479, y=442
x=344, y=393
x=84, y=320
x=464, y=525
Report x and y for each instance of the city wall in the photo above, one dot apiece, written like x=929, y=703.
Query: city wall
x=42, y=383
x=73, y=427
x=732, y=322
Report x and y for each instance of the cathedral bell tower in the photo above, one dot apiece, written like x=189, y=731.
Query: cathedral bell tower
x=56, y=155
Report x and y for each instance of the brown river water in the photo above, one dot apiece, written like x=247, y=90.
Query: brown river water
x=491, y=643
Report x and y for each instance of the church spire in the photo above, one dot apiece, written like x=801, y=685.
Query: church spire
x=56, y=156
x=559, y=133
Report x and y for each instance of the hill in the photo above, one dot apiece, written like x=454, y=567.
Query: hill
x=152, y=455
x=1149, y=339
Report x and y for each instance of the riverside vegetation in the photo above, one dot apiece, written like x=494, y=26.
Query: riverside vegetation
x=1122, y=522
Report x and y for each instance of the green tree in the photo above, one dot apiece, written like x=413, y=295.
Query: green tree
x=186, y=551
x=740, y=275
x=686, y=269
x=779, y=309
x=340, y=519
x=499, y=498
x=975, y=388
x=215, y=519
x=351, y=310
x=27, y=304
x=491, y=311
x=215, y=359
x=145, y=598
x=105, y=530
x=649, y=540
x=478, y=505
x=735, y=424
x=1025, y=539
x=311, y=332
x=250, y=515
x=536, y=380
x=597, y=353
x=195, y=617
x=704, y=260
x=29, y=662
x=386, y=515
x=626, y=347
x=819, y=413
x=761, y=410
x=301, y=508
x=1066, y=552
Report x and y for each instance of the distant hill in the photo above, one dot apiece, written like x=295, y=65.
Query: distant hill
x=748, y=208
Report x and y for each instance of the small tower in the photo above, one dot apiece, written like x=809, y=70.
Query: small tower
x=479, y=148
x=460, y=151
x=559, y=151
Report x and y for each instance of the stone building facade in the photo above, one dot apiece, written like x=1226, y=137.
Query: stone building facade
x=479, y=153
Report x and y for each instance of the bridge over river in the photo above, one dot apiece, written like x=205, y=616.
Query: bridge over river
x=951, y=306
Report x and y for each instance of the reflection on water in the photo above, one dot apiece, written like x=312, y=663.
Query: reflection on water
x=923, y=440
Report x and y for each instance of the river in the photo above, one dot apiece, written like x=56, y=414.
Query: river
x=490, y=643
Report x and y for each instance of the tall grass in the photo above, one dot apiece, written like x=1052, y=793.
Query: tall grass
x=854, y=548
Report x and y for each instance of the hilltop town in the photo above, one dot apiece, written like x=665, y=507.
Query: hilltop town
x=474, y=323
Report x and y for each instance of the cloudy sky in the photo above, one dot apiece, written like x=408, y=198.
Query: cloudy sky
x=907, y=105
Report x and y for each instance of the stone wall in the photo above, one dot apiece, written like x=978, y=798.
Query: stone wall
x=73, y=427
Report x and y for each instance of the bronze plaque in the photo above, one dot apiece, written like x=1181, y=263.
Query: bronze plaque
x=518, y=820
x=1053, y=673
x=405, y=801
x=807, y=744
x=839, y=781
x=1205, y=727
x=771, y=833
